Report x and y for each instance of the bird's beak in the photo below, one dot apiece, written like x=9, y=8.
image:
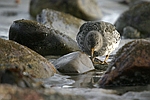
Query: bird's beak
x=92, y=54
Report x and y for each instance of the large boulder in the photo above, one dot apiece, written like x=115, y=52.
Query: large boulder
x=64, y=23
x=75, y=62
x=132, y=66
x=41, y=39
x=137, y=17
x=83, y=9
x=18, y=62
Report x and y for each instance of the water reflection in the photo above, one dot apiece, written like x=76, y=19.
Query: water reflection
x=58, y=80
x=87, y=80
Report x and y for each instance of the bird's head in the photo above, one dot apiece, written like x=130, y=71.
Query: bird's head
x=93, y=41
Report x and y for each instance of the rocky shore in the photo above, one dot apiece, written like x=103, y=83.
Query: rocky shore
x=27, y=73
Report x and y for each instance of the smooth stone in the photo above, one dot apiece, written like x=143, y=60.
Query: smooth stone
x=18, y=64
x=41, y=39
x=64, y=23
x=130, y=33
x=137, y=17
x=132, y=66
x=83, y=9
x=145, y=95
x=75, y=62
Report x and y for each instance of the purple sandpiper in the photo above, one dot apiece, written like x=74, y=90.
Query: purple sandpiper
x=98, y=39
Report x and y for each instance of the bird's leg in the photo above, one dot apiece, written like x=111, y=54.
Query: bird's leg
x=106, y=58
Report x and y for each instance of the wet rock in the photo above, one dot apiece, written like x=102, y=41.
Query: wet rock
x=62, y=22
x=132, y=66
x=8, y=92
x=83, y=9
x=130, y=33
x=75, y=62
x=18, y=62
x=145, y=95
x=133, y=2
x=41, y=39
x=16, y=76
x=125, y=1
x=137, y=17
x=101, y=67
x=129, y=2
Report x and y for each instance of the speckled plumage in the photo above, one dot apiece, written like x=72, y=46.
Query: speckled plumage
x=101, y=36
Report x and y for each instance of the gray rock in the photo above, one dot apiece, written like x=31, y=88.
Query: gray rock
x=18, y=62
x=83, y=9
x=145, y=95
x=75, y=62
x=41, y=39
x=64, y=23
x=130, y=33
x=137, y=17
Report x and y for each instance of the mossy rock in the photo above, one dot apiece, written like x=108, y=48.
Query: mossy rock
x=41, y=39
x=19, y=63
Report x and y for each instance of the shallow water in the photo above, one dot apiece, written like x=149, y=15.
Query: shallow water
x=10, y=12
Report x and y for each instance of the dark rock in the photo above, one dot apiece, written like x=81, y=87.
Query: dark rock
x=101, y=67
x=125, y=1
x=41, y=39
x=129, y=2
x=83, y=9
x=75, y=62
x=62, y=22
x=136, y=17
x=130, y=33
x=18, y=62
x=132, y=66
x=133, y=2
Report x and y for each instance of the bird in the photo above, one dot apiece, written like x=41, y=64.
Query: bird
x=98, y=38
